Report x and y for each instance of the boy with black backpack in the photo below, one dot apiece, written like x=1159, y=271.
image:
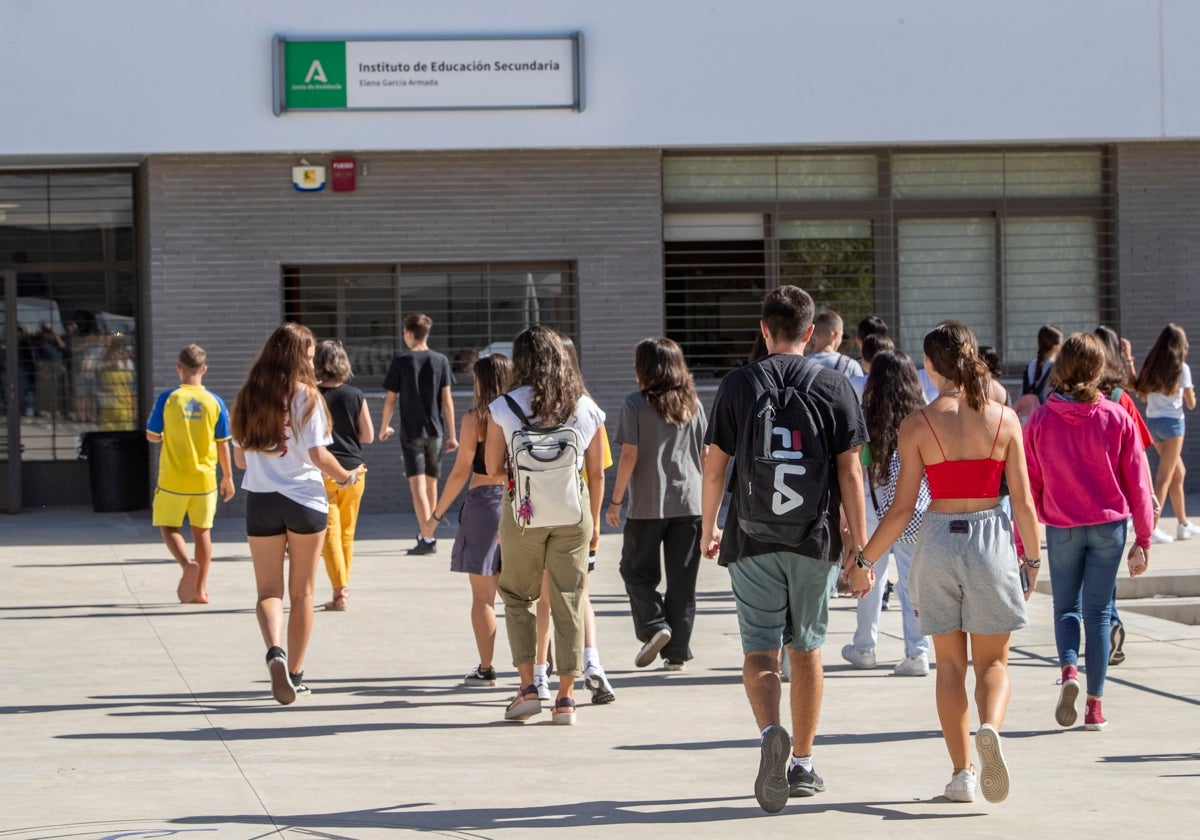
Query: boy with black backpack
x=793, y=429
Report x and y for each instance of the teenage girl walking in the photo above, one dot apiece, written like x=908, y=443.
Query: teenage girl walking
x=281, y=429
x=352, y=427
x=1165, y=382
x=476, y=549
x=661, y=432
x=965, y=577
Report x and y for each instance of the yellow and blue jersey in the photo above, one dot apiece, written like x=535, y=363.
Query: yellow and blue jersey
x=192, y=421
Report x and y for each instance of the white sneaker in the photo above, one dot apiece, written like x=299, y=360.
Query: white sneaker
x=962, y=786
x=862, y=659
x=1160, y=536
x=1185, y=531
x=912, y=666
x=993, y=769
x=542, y=682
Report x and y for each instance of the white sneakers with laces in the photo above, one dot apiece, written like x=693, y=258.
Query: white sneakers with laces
x=1186, y=530
x=962, y=786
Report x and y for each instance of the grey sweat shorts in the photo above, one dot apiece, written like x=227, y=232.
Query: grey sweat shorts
x=964, y=574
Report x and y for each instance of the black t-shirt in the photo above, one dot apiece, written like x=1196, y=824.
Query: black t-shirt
x=345, y=403
x=833, y=400
x=417, y=377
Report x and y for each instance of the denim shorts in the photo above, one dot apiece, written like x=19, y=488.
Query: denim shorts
x=782, y=597
x=1164, y=428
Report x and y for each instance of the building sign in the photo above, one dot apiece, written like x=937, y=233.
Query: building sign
x=428, y=74
x=342, y=171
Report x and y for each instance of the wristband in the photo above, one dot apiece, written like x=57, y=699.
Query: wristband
x=1032, y=562
x=435, y=516
x=615, y=502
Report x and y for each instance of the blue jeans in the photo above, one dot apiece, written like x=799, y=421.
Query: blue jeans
x=1083, y=572
x=866, y=632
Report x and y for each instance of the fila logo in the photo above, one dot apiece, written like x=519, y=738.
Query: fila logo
x=789, y=440
x=315, y=71
x=785, y=499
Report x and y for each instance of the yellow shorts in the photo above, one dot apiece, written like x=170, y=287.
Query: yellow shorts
x=170, y=508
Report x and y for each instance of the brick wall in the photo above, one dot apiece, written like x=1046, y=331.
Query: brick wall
x=1158, y=225
x=218, y=228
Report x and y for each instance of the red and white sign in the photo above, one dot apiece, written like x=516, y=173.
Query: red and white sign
x=342, y=170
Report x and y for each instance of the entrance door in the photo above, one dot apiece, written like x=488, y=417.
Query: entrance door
x=10, y=400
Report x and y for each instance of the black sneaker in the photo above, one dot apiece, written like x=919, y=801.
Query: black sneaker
x=480, y=678
x=802, y=782
x=423, y=547
x=298, y=683
x=887, y=594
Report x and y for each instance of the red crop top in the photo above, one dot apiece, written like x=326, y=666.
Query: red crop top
x=974, y=479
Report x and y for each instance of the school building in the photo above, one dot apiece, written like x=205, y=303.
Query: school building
x=177, y=172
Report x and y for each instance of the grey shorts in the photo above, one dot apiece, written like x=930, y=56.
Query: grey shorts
x=477, y=542
x=782, y=597
x=422, y=456
x=964, y=574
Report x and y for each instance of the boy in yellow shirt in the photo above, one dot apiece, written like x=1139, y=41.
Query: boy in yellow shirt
x=192, y=424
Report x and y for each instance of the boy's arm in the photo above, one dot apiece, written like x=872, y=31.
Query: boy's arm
x=448, y=413
x=385, y=422
x=153, y=437
x=224, y=460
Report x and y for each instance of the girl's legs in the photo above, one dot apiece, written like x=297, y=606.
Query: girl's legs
x=483, y=616
x=951, y=692
x=332, y=550
x=1169, y=452
x=266, y=553
x=1106, y=546
x=989, y=653
x=1178, y=498
x=681, y=562
x=304, y=552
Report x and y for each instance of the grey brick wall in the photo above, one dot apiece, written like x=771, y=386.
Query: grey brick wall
x=1158, y=225
x=218, y=228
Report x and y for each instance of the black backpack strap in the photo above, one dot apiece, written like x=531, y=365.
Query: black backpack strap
x=843, y=362
x=516, y=409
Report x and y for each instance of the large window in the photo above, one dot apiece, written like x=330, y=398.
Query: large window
x=1005, y=240
x=477, y=309
x=68, y=238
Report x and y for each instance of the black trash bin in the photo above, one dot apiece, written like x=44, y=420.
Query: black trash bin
x=119, y=469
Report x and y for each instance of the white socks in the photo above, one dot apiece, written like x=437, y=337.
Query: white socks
x=591, y=658
x=804, y=762
x=540, y=668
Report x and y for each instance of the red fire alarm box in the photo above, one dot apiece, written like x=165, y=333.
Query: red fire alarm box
x=342, y=171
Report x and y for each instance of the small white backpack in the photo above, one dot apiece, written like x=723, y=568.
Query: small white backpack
x=545, y=484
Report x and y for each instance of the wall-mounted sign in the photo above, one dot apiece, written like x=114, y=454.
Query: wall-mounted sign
x=341, y=174
x=429, y=74
x=308, y=178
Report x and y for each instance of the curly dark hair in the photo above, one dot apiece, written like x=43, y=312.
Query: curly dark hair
x=892, y=393
x=540, y=361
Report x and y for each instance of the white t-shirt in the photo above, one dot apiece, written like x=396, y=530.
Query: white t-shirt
x=586, y=420
x=1170, y=405
x=288, y=470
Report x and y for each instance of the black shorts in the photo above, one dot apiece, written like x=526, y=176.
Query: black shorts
x=273, y=514
x=422, y=456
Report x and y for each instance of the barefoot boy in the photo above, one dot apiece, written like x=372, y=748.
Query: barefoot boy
x=192, y=424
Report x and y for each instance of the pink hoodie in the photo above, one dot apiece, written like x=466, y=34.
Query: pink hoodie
x=1087, y=467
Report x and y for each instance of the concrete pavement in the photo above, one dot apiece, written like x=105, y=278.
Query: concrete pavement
x=127, y=714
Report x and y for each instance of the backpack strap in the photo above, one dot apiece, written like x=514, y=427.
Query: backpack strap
x=1041, y=383
x=516, y=409
x=843, y=363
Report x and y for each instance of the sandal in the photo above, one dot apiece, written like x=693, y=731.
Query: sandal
x=525, y=705
x=564, y=712
x=338, y=604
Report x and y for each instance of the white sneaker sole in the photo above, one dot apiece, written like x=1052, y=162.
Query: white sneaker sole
x=1065, y=712
x=993, y=772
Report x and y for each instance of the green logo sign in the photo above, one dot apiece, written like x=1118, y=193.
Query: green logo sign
x=315, y=74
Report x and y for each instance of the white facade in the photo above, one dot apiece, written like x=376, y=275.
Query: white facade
x=133, y=77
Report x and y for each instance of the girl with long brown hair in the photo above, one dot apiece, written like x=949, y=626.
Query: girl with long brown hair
x=661, y=432
x=1165, y=382
x=281, y=429
x=477, y=542
x=965, y=577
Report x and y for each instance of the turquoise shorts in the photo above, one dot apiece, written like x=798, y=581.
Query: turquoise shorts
x=782, y=598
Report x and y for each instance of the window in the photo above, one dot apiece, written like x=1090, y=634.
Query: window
x=1005, y=240
x=69, y=239
x=477, y=309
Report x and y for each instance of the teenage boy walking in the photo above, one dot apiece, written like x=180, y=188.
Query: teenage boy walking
x=781, y=539
x=192, y=424
x=421, y=378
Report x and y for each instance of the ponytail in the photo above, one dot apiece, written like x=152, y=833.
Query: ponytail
x=954, y=352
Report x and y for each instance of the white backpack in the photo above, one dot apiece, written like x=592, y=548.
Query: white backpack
x=545, y=484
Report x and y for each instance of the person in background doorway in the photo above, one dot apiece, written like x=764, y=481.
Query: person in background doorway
x=826, y=339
